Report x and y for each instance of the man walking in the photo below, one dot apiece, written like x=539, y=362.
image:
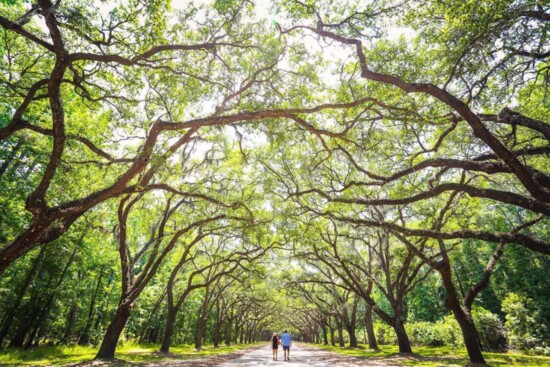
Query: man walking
x=286, y=341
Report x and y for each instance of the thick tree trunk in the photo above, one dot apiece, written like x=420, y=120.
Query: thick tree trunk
x=340, y=333
x=117, y=324
x=369, y=326
x=351, y=324
x=469, y=332
x=332, y=338
x=402, y=337
x=168, y=330
x=352, y=337
x=43, y=230
x=325, y=333
x=201, y=326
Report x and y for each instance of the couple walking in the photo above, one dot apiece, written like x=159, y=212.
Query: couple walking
x=286, y=342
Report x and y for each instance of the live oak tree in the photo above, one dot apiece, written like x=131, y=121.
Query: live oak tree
x=143, y=76
x=497, y=155
x=334, y=307
x=223, y=256
x=140, y=131
x=324, y=311
x=363, y=263
x=506, y=145
x=181, y=218
x=235, y=304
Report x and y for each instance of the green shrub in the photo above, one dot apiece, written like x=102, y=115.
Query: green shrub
x=490, y=330
x=539, y=351
x=524, y=332
x=384, y=334
x=445, y=332
x=452, y=334
x=425, y=333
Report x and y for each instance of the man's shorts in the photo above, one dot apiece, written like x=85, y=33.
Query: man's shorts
x=286, y=347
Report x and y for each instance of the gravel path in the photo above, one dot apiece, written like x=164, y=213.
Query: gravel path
x=301, y=355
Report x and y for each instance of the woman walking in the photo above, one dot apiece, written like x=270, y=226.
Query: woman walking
x=275, y=345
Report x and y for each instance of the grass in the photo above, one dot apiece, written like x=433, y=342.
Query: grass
x=440, y=356
x=125, y=355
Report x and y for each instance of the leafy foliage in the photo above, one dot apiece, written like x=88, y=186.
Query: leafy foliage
x=193, y=173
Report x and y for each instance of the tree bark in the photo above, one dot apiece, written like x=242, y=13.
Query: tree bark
x=350, y=324
x=168, y=330
x=369, y=326
x=44, y=229
x=201, y=326
x=325, y=333
x=340, y=332
x=332, y=338
x=352, y=337
x=117, y=324
x=402, y=337
x=469, y=332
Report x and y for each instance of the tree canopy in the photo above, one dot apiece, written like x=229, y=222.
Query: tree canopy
x=385, y=163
